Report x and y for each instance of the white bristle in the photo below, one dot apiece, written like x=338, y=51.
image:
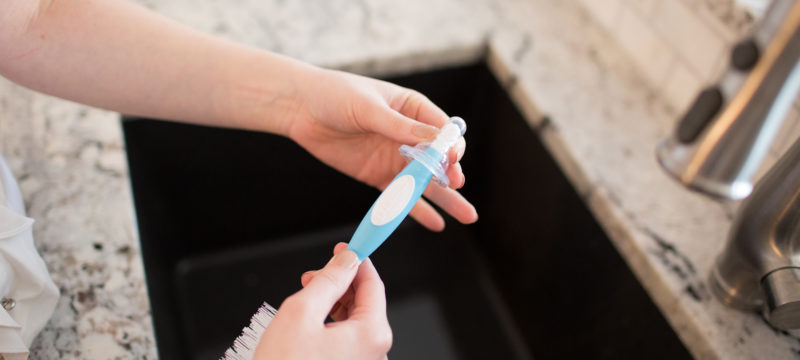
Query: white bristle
x=245, y=345
x=447, y=137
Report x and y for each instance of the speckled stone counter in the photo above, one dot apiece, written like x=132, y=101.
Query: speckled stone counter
x=602, y=124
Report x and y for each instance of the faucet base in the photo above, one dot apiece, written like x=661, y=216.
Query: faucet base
x=731, y=295
x=781, y=296
x=674, y=157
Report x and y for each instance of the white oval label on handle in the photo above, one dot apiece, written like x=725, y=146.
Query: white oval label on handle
x=393, y=200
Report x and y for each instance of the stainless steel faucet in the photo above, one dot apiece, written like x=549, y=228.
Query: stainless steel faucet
x=719, y=144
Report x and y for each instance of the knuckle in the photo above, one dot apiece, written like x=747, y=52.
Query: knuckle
x=416, y=96
x=415, y=101
x=408, y=98
x=378, y=337
x=329, y=277
x=295, y=304
x=382, y=339
x=379, y=286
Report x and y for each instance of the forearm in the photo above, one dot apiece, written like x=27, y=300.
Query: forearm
x=119, y=56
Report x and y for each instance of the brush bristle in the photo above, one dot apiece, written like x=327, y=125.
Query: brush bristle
x=245, y=345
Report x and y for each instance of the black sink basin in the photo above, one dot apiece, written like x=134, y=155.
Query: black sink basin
x=229, y=219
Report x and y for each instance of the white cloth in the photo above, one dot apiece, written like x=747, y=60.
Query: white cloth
x=23, y=275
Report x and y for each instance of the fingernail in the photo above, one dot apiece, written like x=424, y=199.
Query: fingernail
x=345, y=259
x=460, y=173
x=306, y=277
x=425, y=131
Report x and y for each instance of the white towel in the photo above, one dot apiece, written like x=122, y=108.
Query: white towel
x=24, y=278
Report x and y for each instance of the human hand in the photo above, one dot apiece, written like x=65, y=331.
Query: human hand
x=356, y=124
x=352, y=123
x=353, y=295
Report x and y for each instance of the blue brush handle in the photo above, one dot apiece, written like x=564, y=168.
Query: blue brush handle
x=390, y=209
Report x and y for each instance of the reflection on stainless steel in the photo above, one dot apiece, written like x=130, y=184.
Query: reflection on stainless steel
x=718, y=150
x=719, y=145
x=764, y=246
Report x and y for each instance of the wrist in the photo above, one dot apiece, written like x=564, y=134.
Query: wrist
x=265, y=92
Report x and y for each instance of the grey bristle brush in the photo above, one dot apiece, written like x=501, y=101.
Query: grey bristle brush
x=245, y=345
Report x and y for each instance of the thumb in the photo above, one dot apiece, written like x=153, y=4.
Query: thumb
x=329, y=284
x=398, y=127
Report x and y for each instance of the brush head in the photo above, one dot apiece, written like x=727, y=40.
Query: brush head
x=434, y=154
x=244, y=346
x=449, y=134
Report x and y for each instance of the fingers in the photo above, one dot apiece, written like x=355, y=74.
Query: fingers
x=453, y=203
x=327, y=286
x=367, y=281
x=306, y=277
x=369, y=302
x=454, y=172
x=339, y=310
x=416, y=106
x=446, y=198
x=339, y=248
x=408, y=118
x=410, y=124
x=450, y=201
x=456, y=176
x=427, y=216
x=457, y=152
x=366, y=318
x=400, y=128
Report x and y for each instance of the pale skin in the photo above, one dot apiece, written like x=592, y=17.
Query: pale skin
x=352, y=295
x=119, y=56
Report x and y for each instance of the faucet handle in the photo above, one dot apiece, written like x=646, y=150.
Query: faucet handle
x=782, y=297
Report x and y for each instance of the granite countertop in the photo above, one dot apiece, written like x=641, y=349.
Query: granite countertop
x=602, y=126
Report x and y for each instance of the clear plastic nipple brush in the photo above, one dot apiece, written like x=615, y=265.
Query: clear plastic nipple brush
x=427, y=160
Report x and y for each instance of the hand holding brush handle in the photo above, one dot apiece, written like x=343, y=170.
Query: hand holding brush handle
x=352, y=293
